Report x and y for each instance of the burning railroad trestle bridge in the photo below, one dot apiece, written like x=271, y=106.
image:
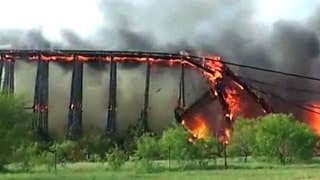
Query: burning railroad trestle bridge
x=217, y=74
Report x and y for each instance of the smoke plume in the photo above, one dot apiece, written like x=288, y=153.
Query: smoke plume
x=225, y=27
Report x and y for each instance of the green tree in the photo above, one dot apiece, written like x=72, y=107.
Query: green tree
x=14, y=127
x=147, y=147
x=284, y=137
x=204, y=151
x=175, y=144
x=66, y=150
x=242, y=140
x=175, y=140
x=147, y=151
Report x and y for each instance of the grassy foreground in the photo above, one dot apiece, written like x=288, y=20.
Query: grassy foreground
x=293, y=173
x=251, y=170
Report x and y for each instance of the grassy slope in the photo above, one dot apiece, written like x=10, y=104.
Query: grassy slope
x=252, y=170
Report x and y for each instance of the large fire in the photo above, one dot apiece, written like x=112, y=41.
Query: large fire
x=313, y=119
x=197, y=127
x=233, y=99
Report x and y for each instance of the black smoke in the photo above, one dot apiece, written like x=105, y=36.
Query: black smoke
x=228, y=28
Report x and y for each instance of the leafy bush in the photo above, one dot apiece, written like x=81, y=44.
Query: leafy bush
x=95, y=145
x=49, y=159
x=116, y=158
x=284, y=137
x=66, y=150
x=148, y=166
x=242, y=140
x=147, y=147
x=205, y=151
x=26, y=156
x=175, y=145
x=14, y=132
x=175, y=140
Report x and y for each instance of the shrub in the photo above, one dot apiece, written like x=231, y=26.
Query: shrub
x=147, y=147
x=116, y=158
x=26, y=156
x=242, y=140
x=14, y=132
x=284, y=137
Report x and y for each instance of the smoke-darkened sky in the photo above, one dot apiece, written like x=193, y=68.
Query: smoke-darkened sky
x=282, y=35
x=85, y=17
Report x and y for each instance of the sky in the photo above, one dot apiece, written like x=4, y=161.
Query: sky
x=51, y=16
x=269, y=11
x=84, y=16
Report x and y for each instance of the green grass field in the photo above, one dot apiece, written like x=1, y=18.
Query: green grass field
x=251, y=170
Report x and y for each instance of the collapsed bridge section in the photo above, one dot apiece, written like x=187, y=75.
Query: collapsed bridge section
x=212, y=68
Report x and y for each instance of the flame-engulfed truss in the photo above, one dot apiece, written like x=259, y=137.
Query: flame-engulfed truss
x=78, y=57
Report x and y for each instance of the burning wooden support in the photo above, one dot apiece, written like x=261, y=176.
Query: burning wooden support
x=112, y=108
x=265, y=106
x=221, y=94
x=41, y=98
x=75, y=109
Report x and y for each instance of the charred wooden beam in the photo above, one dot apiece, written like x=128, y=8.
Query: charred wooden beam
x=221, y=94
x=265, y=106
x=75, y=108
x=143, y=123
x=182, y=97
x=8, y=81
x=112, y=108
x=1, y=69
x=41, y=99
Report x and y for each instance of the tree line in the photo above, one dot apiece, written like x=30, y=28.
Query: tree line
x=274, y=137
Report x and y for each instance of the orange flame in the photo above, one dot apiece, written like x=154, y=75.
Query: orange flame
x=233, y=99
x=313, y=119
x=216, y=66
x=198, y=128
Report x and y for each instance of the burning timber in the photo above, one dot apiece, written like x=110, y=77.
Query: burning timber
x=212, y=68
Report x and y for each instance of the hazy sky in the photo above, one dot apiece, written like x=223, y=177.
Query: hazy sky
x=271, y=10
x=83, y=16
